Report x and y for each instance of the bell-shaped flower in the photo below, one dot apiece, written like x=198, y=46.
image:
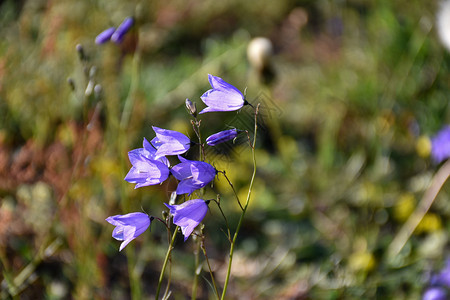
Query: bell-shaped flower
x=129, y=226
x=169, y=142
x=105, y=36
x=222, y=137
x=193, y=175
x=222, y=97
x=145, y=171
x=149, y=151
x=118, y=36
x=188, y=215
x=440, y=145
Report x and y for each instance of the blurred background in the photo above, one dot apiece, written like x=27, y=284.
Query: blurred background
x=350, y=91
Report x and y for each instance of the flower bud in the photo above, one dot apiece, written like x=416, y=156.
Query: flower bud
x=105, y=36
x=71, y=83
x=222, y=137
x=259, y=52
x=89, y=88
x=118, y=36
x=191, y=107
x=80, y=51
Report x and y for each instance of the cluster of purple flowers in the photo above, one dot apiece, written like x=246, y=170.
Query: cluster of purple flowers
x=439, y=285
x=150, y=166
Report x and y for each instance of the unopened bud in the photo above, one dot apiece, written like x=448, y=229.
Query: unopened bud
x=71, y=83
x=173, y=198
x=80, y=51
x=92, y=71
x=89, y=88
x=259, y=52
x=191, y=107
x=98, y=91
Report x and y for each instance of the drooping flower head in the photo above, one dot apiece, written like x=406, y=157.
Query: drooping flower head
x=129, y=226
x=193, y=175
x=222, y=137
x=440, y=145
x=222, y=97
x=105, y=36
x=169, y=142
x=188, y=215
x=118, y=36
x=145, y=171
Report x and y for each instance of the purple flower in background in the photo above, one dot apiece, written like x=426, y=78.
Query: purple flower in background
x=169, y=142
x=145, y=171
x=443, y=277
x=129, y=226
x=193, y=175
x=222, y=97
x=435, y=293
x=440, y=145
x=118, y=36
x=221, y=137
x=188, y=215
x=105, y=36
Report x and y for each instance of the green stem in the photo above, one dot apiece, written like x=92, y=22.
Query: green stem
x=166, y=260
x=209, y=268
x=197, y=263
x=241, y=219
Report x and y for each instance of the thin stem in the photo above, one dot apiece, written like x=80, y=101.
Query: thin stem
x=225, y=218
x=422, y=208
x=197, y=264
x=196, y=126
x=241, y=219
x=209, y=267
x=129, y=101
x=166, y=260
x=232, y=187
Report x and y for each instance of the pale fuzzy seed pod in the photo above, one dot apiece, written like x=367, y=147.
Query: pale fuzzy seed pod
x=443, y=23
x=259, y=52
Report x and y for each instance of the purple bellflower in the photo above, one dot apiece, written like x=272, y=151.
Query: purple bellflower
x=222, y=137
x=145, y=171
x=193, y=175
x=129, y=226
x=118, y=36
x=149, y=151
x=222, y=97
x=169, y=142
x=188, y=215
x=105, y=36
x=440, y=145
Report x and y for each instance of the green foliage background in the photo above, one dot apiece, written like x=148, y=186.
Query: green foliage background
x=356, y=89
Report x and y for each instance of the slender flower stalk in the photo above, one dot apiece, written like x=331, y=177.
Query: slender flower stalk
x=424, y=205
x=166, y=260
x=216, y=292
x=247, y=202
